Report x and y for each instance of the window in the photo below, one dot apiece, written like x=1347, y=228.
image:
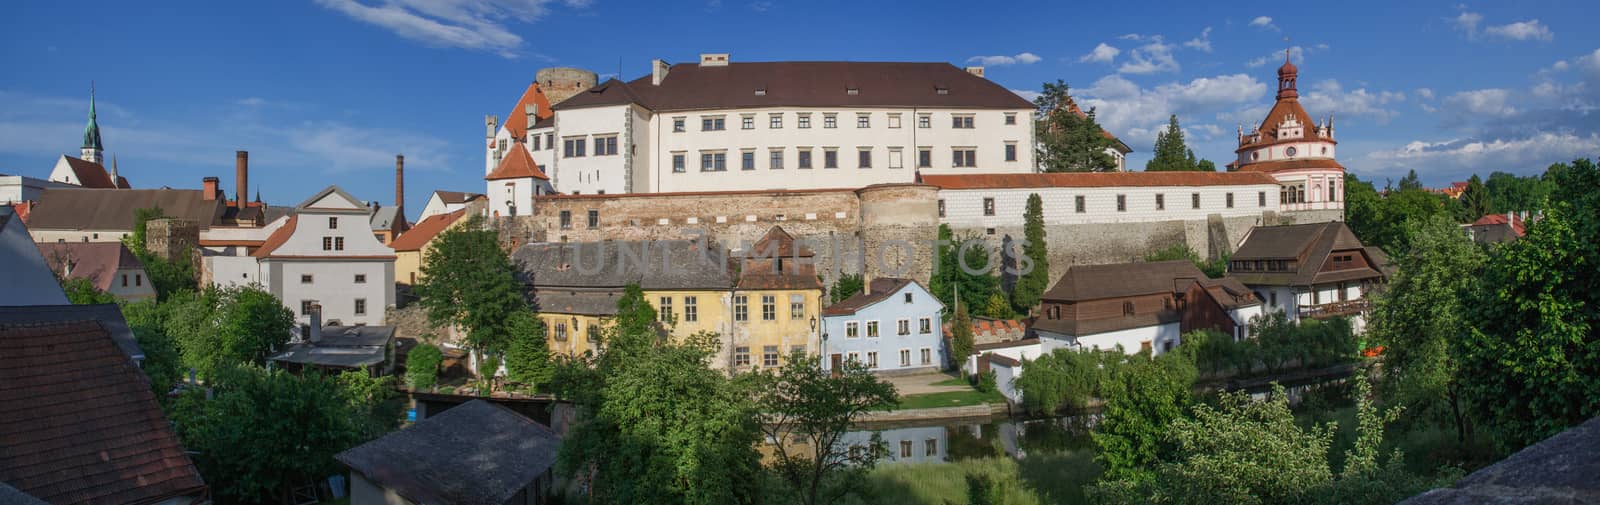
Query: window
x=775, y=121
x=830, y=121
x=769, y=355
x=566, y=219
x=327, y=243
x=572, y=148
x=1194, y=200
x=678, y=165
x=305, y=306
x=964, y=157
x=1011, y=151
x=1011, y=118
x=138, y=279
x=853, y=357
x=747, y=123
x=932, y=444
x=927, y=356
x=963, y=122
x=908, y=298
x=1122, y=203
x=852, y=329
x=338, y=243
x=714, y=162
x=803, y=121
x=863, y=157
x=1230, y=200
x=769, y=308
x=304, y=279
x=361, y=278
x=863, y=120
x=594, y=218
x=1161, y=201
x=535, y=142
x=1127, y=308
x=741, y=308
x=691, y=309
x=830, y=158
x=797, y=307
x=1079, y=204
x=924, y=157
x=988, y=206
x=775, y=159
x=741, y=356
x=925, y=325
x=924, y=121
x=561, y=332
x=894, y=158
x=590, y=333
x=872, y=329
x=941, y=207
x=677, y=125
x=1261, y=199
x=747, y=160
x=712, y=124
x=872, y=359
x=665, y=306
x=361, y=306
x=804, y=157
x=905, y=360
x=894, y=120
x=797, y=349
x=550, y=140
x=333, y=223
x=903, y=327
x=605, y=146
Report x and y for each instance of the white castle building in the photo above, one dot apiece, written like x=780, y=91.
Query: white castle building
x=1296, y=151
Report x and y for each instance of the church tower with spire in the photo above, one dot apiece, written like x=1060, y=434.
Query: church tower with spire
x=92, y=151
x=1297, y=150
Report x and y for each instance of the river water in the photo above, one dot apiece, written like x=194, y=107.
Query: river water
x=945, y=441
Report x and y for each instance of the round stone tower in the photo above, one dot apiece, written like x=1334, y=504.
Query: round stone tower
x=561, y=83
x=894, y=216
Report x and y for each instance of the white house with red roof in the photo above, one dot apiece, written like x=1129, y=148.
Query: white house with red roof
x=1297, y=150
x=513, y=184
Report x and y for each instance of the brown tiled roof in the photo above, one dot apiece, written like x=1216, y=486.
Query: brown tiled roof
x=456, y=196
x=114, y=209
x=1309, y=245
x=423, y=232
x=1230, y=293
x=95, y=261
x=94, y=175
x=516, y=165
x=881, y=289
x=78, y=423
x=1096, y=180
x=1095, y=282
x=780, y=243
x=1001, y=359
x=1077, y=328
x=1006, y=344
x=689, y=86
x=1282, y=165
x=1512, y=220
x=517, y=121
x=277, y=238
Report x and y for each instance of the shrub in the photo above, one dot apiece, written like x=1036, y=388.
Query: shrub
x=422, y=366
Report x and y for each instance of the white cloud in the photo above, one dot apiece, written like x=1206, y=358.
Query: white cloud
x=1559, y=66
x=1203, y=42
x=468, y=24
x=1264, y=22
x=254, y=101
x=1026, y=94
x=761, y=6
x=1127, y=110
x=1425, y=93
x=1522, y=30
x=343, y=148
x=1296, y=53
x=1002, y=60
x=1468, y=22
x=1328, y=96
x=1461, y=156
x=1155, y=56
x=1102, y=53
x=1483, y=102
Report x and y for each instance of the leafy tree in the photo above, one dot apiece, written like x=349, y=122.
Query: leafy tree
x=941, y=281
x=528, y=359
x=161, y=360
x=973, y=274
x=801, y=401
x=1510, y=193
x=422, y=366
x=1140, y=402
x=1171, y=154
x=221, y=327
x=469, y=283
x=634, y=328
x=1067, y=141
x=1419, y=316
x=373, y=402
x=1474, y=200
x=1031, y=285
x=981, y=490
x=962, y=342
x=1534, y=349
x=1363, y=209
x=1063, y=379
x=1410, y=181
x=82, y=292
x=998, y=308
x=1214, y=269
x=844, y=287
x=1379, y=219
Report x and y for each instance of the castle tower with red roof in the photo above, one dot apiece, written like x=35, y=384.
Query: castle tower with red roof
x=1297, y=150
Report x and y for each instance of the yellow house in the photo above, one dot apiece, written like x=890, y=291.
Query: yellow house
x=411, y=248
x=777, y=303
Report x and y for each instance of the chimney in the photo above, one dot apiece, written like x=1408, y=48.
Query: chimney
x=532, y=111
x=978, y=71
x=241, y=164
x=208, y=186
x=316, y=322
x=490, y=123
x=658, y=71
x=400, y=183
x=714, y=59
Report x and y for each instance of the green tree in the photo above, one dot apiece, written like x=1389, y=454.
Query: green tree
x=1214, y=269
x=962, y=343
x=1140, y=401
x=942, y=280
x=1064, y=379
x=844, y=287
x=634, y=329
x=1068, y=139
x=802, y=401
x=973, y=273
x=981, y=490
x=82, y=292
x=422, y=366
x=1410, y=181
x=998, y=308
x=168, y=277
x=1474, y=200
x=469, y=283
x=1510, y=193
x=1363, y=209
x=1419, y=316
x=528, y=359
x=1172, y=154
x=222, y=327
x=161, y=359
x=1033, y=283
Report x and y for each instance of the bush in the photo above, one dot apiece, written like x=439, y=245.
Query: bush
x=422, y=366
x=986, y=383
x=1062, y=379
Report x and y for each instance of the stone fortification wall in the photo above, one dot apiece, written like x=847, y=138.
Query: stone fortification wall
x=561, y=83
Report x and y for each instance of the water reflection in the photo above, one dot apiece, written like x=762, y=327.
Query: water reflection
x=948, y=441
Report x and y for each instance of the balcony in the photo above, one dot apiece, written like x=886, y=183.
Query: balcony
x=1335, y=309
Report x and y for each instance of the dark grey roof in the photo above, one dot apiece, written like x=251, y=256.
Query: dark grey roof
x=109, y=315
x=475, y=453
x=1559, y=470
x=383, y=218
x=114, y=209
x=11, y=496
x=589, y=302
x=328, y=190
x=668, y=264
x=341, y=347
x=881, y=289
x=1094, y=282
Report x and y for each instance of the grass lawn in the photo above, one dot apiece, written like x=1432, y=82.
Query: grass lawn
x=950, y=399
x=953, y=381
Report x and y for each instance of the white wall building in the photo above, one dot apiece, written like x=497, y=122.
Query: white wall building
x=1298, y=151
x=326, y=254
x=995, y=200
x=445, y=202
x=21, y=188
x=1315, y=271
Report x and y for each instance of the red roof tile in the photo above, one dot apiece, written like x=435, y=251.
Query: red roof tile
x=1493, y=219
x=79, y=424
x=95, y=261
x=516, y=165
x=423, y=232
x=93, y=175
x=1095, y=180
x=277, y=238
x=517, y=121
x=1282, y=165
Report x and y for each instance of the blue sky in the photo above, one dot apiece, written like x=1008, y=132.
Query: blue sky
x=327, y=91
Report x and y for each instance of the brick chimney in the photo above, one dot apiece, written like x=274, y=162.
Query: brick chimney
x=241, y=169
x=400, y=182
x=208, y=186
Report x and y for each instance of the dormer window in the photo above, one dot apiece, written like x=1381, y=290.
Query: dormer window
x=852, y=91
x=761, y=91
x=941, y=90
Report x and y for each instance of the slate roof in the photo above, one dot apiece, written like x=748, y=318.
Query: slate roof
x=1097, y=180
x=1006, y=344
x=78, y=423
x=1094, y=282
x=587, y=302
x=109, y=315
x=113, y=209
x=474, y=453
x=669, y=264
x=27, y=277
x=341, y=347
x=11, y=496
x=383, y=218
x=1307, y=244
x=690, y=86
x=425, y=231
x=97, y=262
x=361, y=205
x=881, y=290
